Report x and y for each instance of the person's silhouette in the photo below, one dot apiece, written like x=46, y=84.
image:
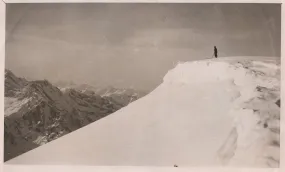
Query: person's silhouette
x=215, y=52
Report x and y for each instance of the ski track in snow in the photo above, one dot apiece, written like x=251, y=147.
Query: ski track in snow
x=205, y=113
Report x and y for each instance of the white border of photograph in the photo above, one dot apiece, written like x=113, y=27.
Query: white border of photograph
x=55, y=168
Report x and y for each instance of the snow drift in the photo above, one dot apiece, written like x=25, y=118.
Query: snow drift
x=205, y=113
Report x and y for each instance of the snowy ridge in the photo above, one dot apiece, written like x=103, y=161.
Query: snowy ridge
x=205, y=113
x=254, y=108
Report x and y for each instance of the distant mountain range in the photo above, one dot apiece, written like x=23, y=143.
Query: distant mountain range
x=37, y=112
x=123, y=96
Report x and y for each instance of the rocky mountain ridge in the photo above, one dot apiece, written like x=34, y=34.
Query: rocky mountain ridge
x=37, y=112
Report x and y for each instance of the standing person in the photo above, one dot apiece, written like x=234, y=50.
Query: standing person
x=215, y=52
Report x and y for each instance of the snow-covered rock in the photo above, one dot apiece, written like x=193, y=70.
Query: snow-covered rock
x=205, y=113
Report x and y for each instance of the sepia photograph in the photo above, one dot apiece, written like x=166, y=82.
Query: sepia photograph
x=143, y=84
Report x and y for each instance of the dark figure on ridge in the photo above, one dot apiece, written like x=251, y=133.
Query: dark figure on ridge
x=215, y=52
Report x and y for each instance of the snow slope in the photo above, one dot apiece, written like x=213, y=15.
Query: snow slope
x=205, y=113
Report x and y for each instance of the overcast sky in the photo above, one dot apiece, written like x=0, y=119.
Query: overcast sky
x=132, y=45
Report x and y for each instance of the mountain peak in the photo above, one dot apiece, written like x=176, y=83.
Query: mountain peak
x=205, y=113
x=13, y=83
